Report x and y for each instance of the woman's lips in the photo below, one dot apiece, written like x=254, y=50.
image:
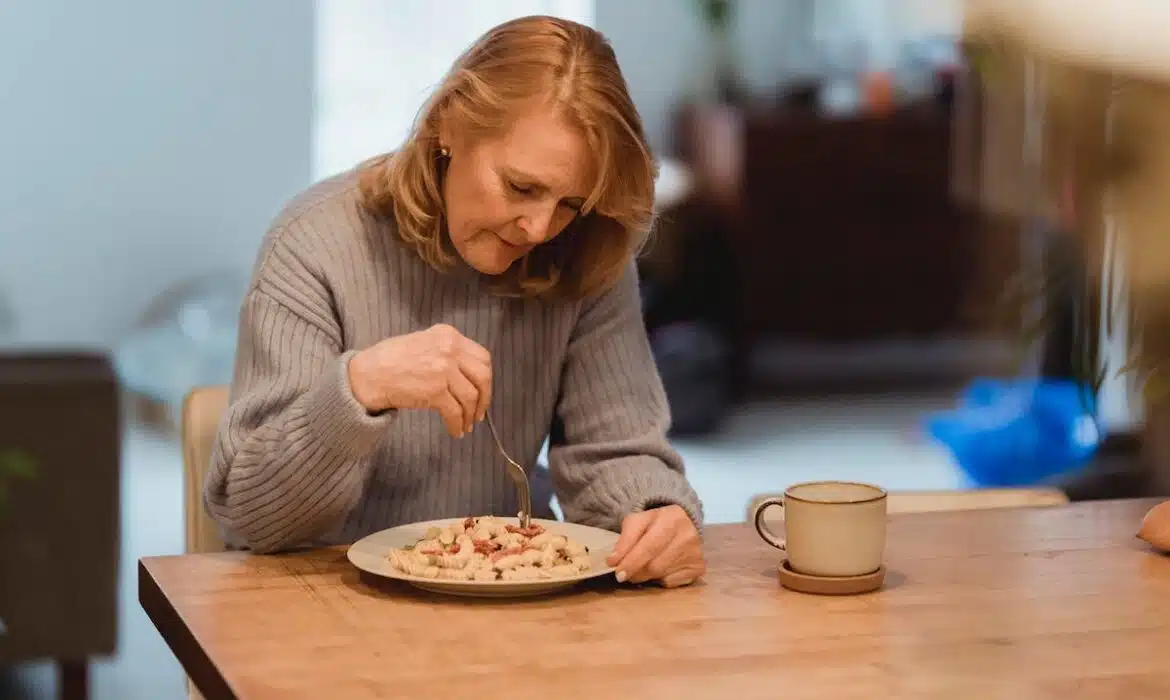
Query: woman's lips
x=510, y=244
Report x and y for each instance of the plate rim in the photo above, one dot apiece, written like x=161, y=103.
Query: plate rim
x=393, y=574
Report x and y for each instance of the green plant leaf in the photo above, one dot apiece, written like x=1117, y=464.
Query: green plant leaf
x=1156, y=388
x=17, y=465
x=717, y=12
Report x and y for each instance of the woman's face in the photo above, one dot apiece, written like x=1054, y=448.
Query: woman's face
x=506, y=195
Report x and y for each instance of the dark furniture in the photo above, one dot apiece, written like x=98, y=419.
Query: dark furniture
x=846, y=230
x=59, y=528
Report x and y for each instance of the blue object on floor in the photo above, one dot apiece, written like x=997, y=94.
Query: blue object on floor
x=1019, y=432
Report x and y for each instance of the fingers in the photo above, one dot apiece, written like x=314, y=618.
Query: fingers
x=467, y=395
x=679, y=564
x=632, y=528
x=451, y=411
x=479, y=373
x=475, y=363
x=683, y=577
x=665, y=560
x=633, y=566
x=466, y=392
x=474, y=350
x=660, y=544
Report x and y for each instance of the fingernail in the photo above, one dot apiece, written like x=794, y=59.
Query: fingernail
x=621, y=577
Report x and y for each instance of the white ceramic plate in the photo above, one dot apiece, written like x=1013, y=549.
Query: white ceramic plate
x=370, y=554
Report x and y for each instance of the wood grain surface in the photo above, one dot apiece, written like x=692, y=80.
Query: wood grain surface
x=1057, y=602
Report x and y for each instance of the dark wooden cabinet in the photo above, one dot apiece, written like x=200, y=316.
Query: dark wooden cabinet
x=60, y=526
x=845, y=230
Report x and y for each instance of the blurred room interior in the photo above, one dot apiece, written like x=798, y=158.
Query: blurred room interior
x=815, y=290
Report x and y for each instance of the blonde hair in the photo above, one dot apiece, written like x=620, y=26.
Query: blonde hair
x=574, y=68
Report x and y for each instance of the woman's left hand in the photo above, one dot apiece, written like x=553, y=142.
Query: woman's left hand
x=660, y=544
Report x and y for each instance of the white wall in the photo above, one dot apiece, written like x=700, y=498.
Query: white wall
x=142, y=142
x=378, y=61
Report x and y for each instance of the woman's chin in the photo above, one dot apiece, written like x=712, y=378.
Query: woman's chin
x=491, y=264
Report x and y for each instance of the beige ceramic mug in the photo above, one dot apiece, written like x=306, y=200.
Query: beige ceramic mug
x=831, y=528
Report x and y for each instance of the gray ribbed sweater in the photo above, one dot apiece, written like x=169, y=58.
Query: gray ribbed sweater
x=298, y=461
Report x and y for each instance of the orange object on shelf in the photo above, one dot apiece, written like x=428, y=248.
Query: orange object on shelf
x=877, y=91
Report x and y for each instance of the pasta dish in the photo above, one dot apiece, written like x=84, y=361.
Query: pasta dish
x=489, y=549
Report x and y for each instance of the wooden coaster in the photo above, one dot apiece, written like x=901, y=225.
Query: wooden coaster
x=830, y=585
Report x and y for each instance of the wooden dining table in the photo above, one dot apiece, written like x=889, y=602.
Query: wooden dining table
x=1016, y=603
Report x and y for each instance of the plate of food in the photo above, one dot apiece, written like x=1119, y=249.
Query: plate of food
x=487, y=556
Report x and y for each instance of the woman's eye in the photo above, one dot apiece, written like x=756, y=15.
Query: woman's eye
x=519, y=189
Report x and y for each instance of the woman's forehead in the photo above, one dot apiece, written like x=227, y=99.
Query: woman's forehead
x=542, y=148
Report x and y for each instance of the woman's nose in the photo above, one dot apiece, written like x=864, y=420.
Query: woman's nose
x=537, y=224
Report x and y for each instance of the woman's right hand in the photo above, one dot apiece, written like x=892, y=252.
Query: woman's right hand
x=438, y=368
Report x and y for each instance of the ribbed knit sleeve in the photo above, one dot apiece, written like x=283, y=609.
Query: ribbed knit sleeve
x=293, y=452
x=609, y=456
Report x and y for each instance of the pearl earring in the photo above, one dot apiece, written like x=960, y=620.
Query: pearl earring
x=444, y=152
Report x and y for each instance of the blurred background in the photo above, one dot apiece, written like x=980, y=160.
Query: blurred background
x=814, y=294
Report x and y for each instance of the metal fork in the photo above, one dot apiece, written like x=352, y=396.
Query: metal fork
x=518, y=475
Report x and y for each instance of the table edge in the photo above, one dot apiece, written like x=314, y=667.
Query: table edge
x=208, y=678
x=187, y=651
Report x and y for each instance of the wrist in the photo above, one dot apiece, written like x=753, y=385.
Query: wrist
x=362, y=385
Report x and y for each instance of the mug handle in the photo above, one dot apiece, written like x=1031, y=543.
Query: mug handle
x=767, y=535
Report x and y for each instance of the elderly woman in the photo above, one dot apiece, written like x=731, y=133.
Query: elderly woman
x=485, y=266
